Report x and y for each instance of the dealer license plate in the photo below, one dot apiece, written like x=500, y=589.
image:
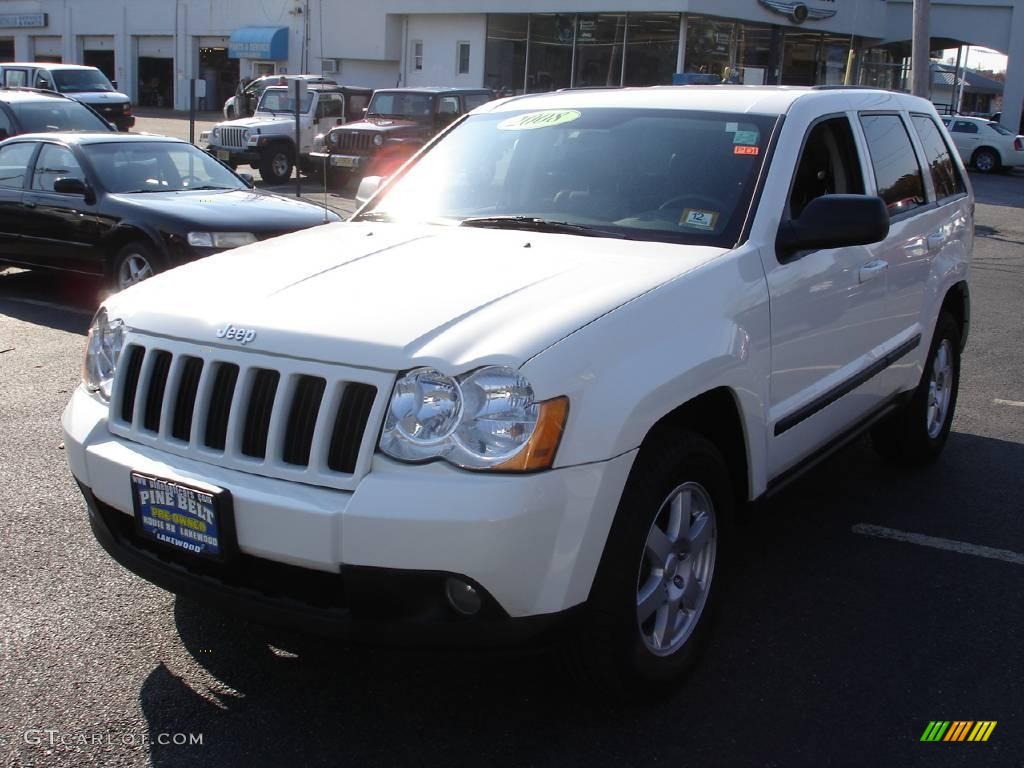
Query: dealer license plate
x=344, y=162
x=223, y=155
x=182, y=517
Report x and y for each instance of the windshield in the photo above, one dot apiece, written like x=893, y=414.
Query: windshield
x=998, y=128
x=157, y=166
x=412, y=106
x=670, y=175
x=79, y=80
x=280, y=100
x=57, y=114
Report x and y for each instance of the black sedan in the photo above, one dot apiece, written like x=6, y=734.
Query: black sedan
x=127, y=206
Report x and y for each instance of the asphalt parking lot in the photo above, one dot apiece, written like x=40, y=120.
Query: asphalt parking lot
x=837, y=645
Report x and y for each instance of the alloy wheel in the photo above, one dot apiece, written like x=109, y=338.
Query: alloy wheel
x=940, y=389
x=134, y=269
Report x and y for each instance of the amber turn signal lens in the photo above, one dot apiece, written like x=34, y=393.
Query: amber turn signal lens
x=540, y=452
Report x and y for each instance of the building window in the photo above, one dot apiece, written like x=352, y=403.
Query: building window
x=417, y=55
x=261, y=68
x=462, y=58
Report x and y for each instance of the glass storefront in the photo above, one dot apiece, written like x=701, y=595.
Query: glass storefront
x=529, y=53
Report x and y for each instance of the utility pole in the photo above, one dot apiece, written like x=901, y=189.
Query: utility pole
x=920, y=73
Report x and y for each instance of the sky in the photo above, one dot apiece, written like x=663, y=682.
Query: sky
x=979, y=58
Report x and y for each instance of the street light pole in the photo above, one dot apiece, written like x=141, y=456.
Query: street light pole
x=920, y=73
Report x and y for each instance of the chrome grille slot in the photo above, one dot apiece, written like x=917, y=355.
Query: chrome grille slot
x=272, y=416
x=232, y=137
x=354, y=142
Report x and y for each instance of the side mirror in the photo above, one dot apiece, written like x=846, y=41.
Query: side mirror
x=114, y=83
x=834, y=221
x=368, y=187
x=365, y=109
x=71, y=186
x=250, y=182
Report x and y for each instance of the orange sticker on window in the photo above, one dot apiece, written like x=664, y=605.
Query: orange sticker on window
x=742, y=150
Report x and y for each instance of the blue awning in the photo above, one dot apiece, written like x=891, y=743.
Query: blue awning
x=259, y=43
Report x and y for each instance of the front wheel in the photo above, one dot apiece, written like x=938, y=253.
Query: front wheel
x=276, y=165
x=655, y=587
x=133, y=263
x=917, y=433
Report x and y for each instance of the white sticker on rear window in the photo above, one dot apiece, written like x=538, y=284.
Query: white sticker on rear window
x=546, y=119
x=745, y=137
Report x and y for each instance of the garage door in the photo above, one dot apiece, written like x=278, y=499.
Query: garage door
x=47, y=46
x=98, y=43
x=156, y=47
x=213, y=41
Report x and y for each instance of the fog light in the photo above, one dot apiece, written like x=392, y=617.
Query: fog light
x=462, y=596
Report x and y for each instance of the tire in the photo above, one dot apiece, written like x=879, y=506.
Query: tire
x=985, y=160
x=276, y=164
x=628, y=644
x=132, y=264
x=917, y=432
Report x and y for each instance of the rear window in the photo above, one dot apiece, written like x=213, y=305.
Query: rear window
x=56, y=115
x=945, y=175
x=897, y=174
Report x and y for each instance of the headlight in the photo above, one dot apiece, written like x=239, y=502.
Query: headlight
x=106, y=339
x=333, y=137
x=215, y=133
x=220, y=239
x=486, y=419
x=378, y=140
x=246, y=135
x=319, y=141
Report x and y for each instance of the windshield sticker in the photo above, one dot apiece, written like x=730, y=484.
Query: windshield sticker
x=745, y=137
x=547, y=119
x=693, y=217
x=732, y=127
x=742, y=149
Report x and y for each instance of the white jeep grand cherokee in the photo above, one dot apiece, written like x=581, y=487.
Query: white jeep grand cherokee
x=533, y=378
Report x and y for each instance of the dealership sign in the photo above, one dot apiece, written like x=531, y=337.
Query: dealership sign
x=799, y=12
x=23, y=19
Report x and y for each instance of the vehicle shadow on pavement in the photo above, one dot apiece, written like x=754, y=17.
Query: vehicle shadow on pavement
x=814, y=618
x=42, y=298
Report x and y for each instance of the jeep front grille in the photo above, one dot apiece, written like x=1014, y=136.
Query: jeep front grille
x=353, y=142
x=233, y=138
x=271, y=416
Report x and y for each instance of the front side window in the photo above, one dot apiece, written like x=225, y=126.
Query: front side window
x=448, y=105
x=157, y=166
x=81, y=80
x=646, y=174
x=401, y=104
x=55, y=163
x=897, y=174
x=828, y=165
x=945, y=175
x=330, y=106
x=57, y=114
x=14, y=160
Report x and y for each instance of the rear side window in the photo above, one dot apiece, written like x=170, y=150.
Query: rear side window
x=15, y=78
x=963, y=126
x=945, y=175
x=897, y=174
x=828, y=165
x=14, y=164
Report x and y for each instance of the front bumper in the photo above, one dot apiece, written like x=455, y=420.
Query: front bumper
x=531, y=543
x=235, y=156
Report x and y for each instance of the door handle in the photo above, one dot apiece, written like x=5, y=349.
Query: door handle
x=935, y=241
x=872, y=269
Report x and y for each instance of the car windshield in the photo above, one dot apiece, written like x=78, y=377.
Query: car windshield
x=280, y=100
x=411, y=106
x=157, y=166
x=669, y=175
x=79, y=80
x=57, y=114
x=998, y=128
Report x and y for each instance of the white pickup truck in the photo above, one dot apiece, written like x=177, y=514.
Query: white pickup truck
x=529, y=384
x=266, y=141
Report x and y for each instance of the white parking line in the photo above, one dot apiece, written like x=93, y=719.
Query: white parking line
x=1014, y=403
x=935, y=542
x=50, y=305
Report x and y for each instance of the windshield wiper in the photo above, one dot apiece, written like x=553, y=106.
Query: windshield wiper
x=205, y=186
x=373, y=216
x=535, y=224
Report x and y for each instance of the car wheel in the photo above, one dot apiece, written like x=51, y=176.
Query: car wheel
x=985, y=161
x=652, y=598
x=276, y=165
x=917, y=432
x=134, y=263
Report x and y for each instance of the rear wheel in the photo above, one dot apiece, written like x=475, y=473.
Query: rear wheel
x=652, y=598
x=276, y=164
x=917, y=433
x=986, y=160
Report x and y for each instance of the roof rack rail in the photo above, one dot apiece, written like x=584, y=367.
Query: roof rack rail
x=591, y=88
x=847, y=88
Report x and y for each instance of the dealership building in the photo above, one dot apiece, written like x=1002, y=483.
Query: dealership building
x=154, y=47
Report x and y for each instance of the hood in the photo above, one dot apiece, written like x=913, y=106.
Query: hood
x=236, y=210
x=260, y=120
x=392, y=297
x=378, y=124
x=101, y=98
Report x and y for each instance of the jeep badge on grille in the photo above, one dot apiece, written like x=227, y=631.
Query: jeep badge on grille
x=241, y=335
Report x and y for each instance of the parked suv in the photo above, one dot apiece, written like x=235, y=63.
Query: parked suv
x=399, y=121
x=85, y=84
x=533, y=378
x=267, y=139
x=985, y=144
x=26, y=110
x=243, y=103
